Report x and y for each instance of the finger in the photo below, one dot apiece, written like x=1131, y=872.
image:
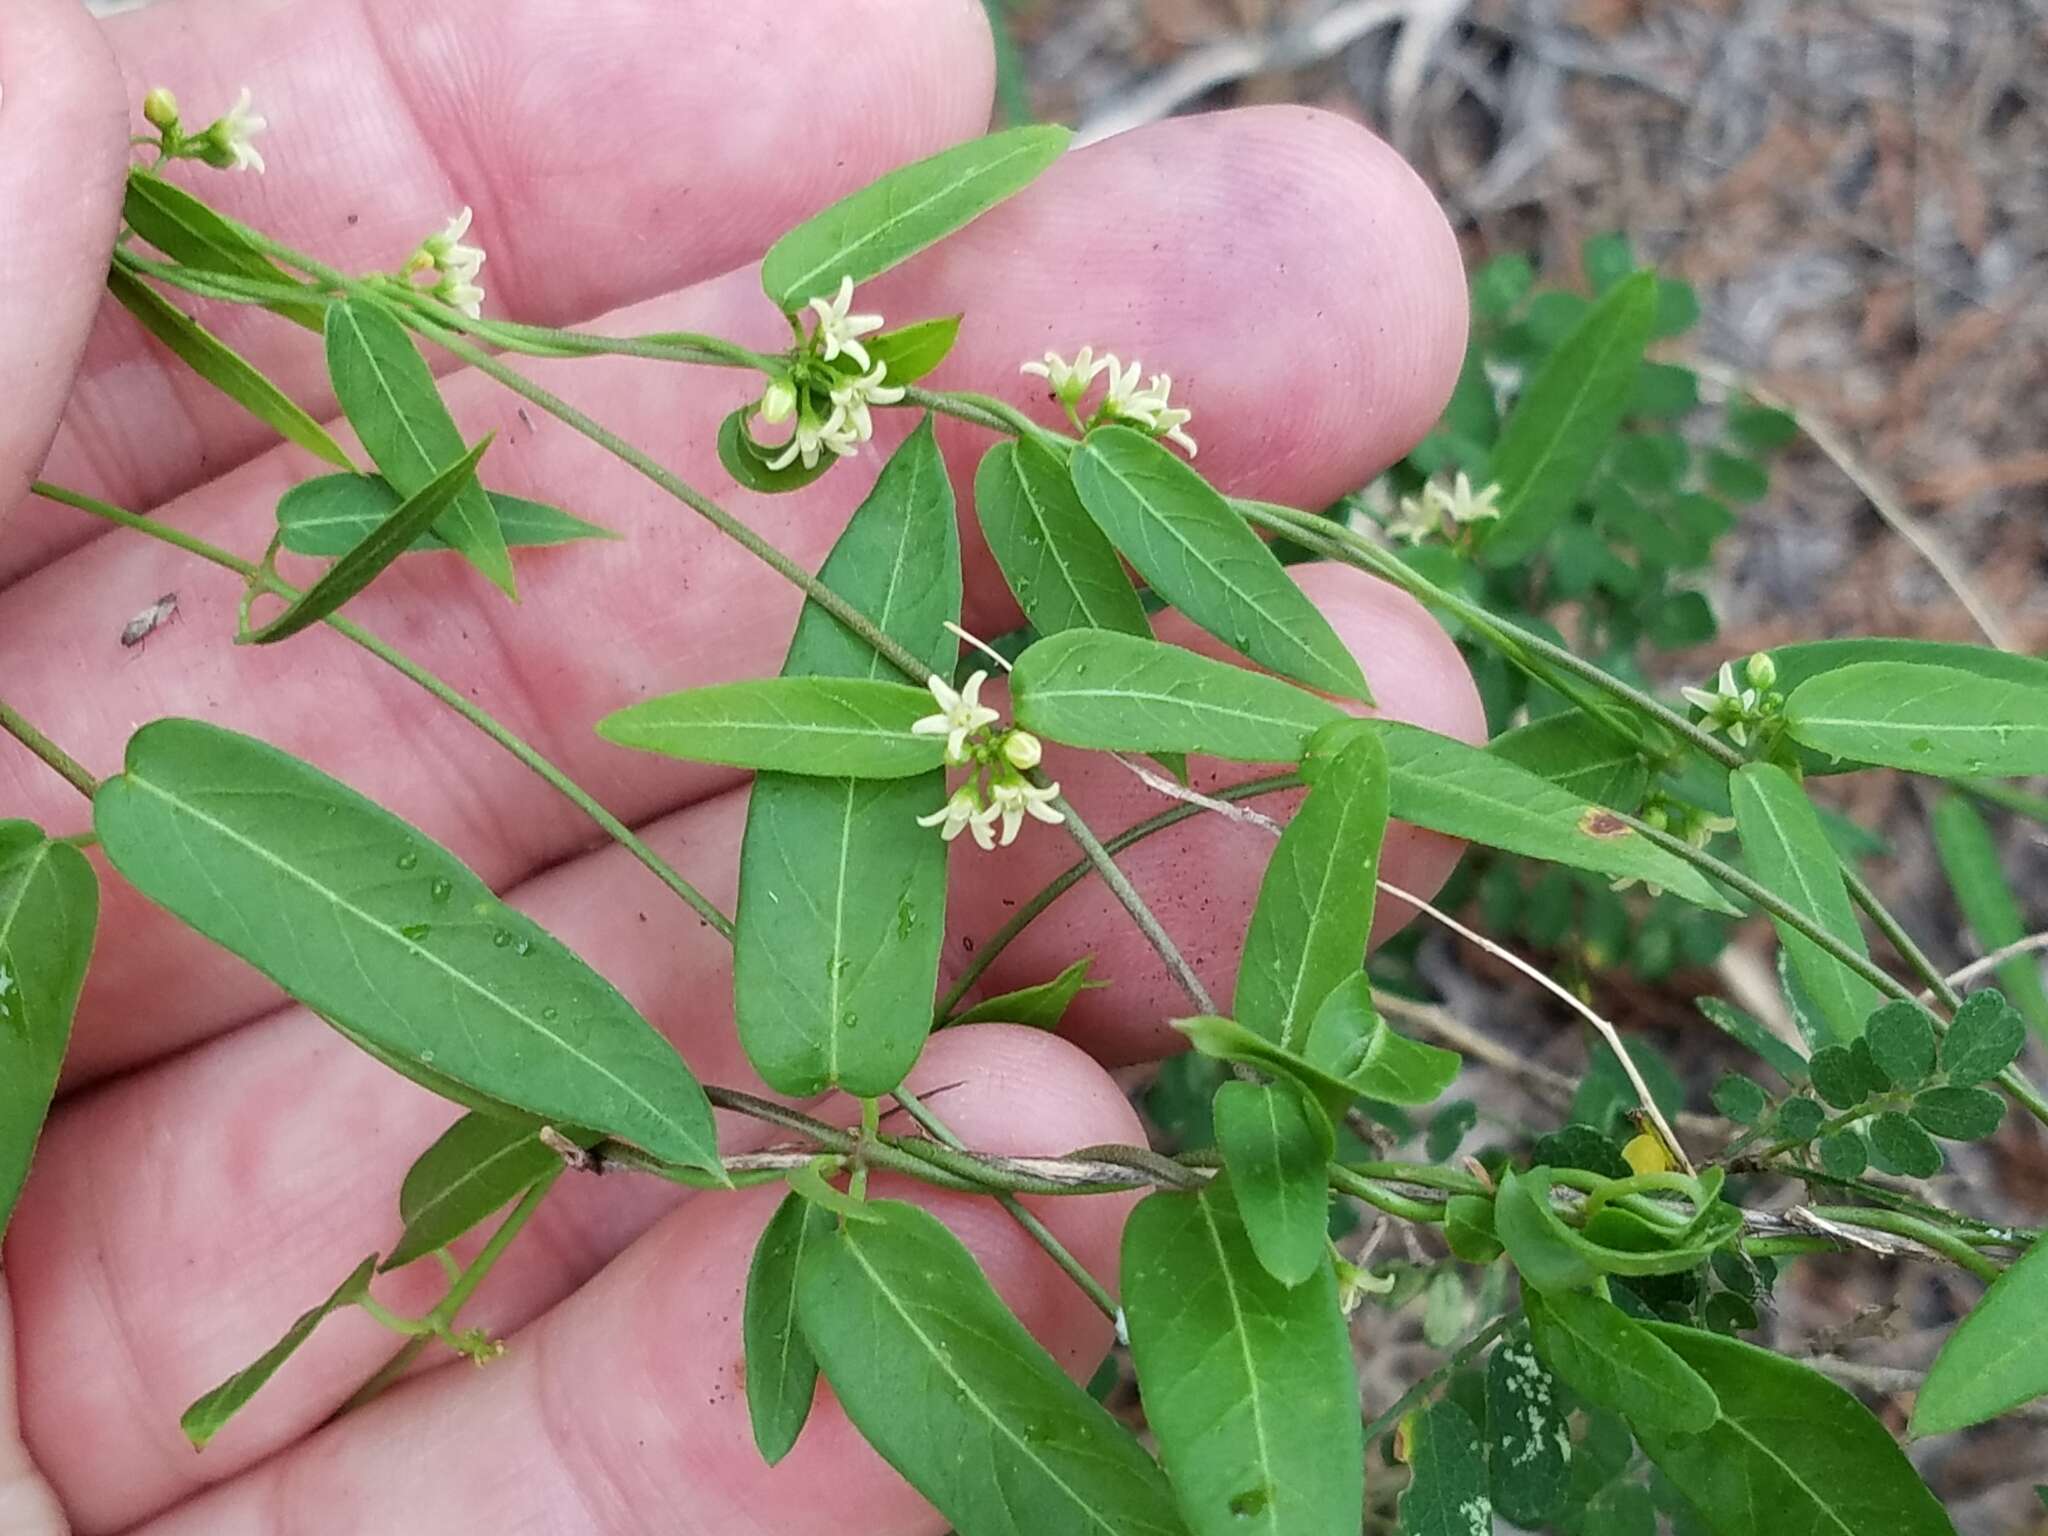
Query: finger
x=675, y=605
x=612, y=150
x=61, y=150
x=639, y=1372
x=1202, y=881
x=27, y=1507
x=314, y=1137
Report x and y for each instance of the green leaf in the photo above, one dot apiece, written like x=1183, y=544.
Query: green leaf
x=222, y=366
x=365, y=562
x=782, y=1373
x=1801, y=663
x=384, y=932
x=1739, y=1026
x=1447, y=1490
x=1840, y=1078
x=1740, y=1099
x=1844, y=1154
x=842, y=895
x=750, y=462
x=1983, y=1040
x=829, y=727
x=1787, y=851
x=1204, y=559
x=1039, y=1007
x=1573, y=753
x=1528, y=1435
x=911, y=351
x=1468, y=1228
x=1446, y=1309
x=1277, y=1161
x=1762, y=429
x=1607, y=259
x=49, y=911
x=1228, y=1040
x=1501, y=284
x=1448, y=1128
x=1901, y=1037
x=941, y=1379
x=1969, y=857
x=1248, y=1383
x=1799, y=1119
x=480, y=1164
x=1614, y=1362
x=1959, y=1114
x=331, y=514
x=1997, y=1358
x=206, y=1418
x=1090, y=688
x=1315, y=903
x=1465, y=791
x=1736, y=477
x=1062, y=567
x=1933, y=720
x=1350, y=1040
x=193, y=235
x=1792, y=1454
x=389, y=396
x=893, y=218
x=811, y=1181
x=1898, y=1145
x=1553, y=1257
x=1565, y=418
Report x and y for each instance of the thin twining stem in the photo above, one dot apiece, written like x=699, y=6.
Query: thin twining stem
x=60, y=762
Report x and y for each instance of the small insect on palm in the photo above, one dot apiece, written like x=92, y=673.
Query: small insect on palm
x=151, y=619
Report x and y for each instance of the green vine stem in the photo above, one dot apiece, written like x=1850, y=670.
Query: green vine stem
x=60, y=762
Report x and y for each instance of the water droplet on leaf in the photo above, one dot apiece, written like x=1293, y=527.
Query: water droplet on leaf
x=409, y=859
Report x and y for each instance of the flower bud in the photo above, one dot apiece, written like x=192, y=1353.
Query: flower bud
x=160, y=110
x=1022, y=750
x=1761, y=670
x=777, y=400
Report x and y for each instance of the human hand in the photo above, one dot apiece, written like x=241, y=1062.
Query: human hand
x=621, y=155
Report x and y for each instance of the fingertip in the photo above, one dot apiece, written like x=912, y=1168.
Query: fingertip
x=1411, y=663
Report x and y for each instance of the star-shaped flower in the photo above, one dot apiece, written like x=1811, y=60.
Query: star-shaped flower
x=1017, y=798
x=1069, y=381
x=230, y=138
x=839, y=331
x=858, y=392
x=963, y=809
x=960, y=714
x=448, y=252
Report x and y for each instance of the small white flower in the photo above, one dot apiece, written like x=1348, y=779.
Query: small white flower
x=1466, y=506
x=813, y=438
x=963, y=809
x=960, y=714
x=858, y=392
x=231, y=136
x=460, y=293
x=1123, y=386
x=1069, y=381
x=1017, y=798
x=838, y=330
x=1729, y=707
x=1418, y=519
x=450, y=255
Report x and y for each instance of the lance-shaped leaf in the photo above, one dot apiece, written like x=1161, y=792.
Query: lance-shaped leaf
x=49, y=910
x=912, y=351
x=1248, y=1383
x=208, y=1416
x=1969, y=857
x=1062, y=567
x=193, y=235
x=1791, y=1454
x=1041, y=1006
x=1349, y=1039
x=1997, y=1358
x=1614, y=1362
x=331, y=514
x=782, y=1373
x=1315, y=904
x=479, y=1165
x=372, y=924
x=942, y=1379
x=830, y=727
x=222, y=366
x=1579, y=757
x=1788, y=851
x=1443, y=784
x=1446, y=1493
x=891, y=219
x=1935, y=720
x=1566, y=417
x=842, y=895
x=385, y=543
x=1198, y=554
x=1273, y=1144
x=1089, y=688
x=389, y=396
x=1528, y=1435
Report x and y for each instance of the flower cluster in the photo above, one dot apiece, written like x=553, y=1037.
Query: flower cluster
x=832, y=383
x=1124, y=401
x=455, y=266
x=1738, y=709
x=995, y=790
x=1688, y=823
x=226, y=144
x=1438, y=511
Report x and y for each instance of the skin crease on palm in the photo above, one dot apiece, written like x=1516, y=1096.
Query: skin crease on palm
x=218, y=1159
